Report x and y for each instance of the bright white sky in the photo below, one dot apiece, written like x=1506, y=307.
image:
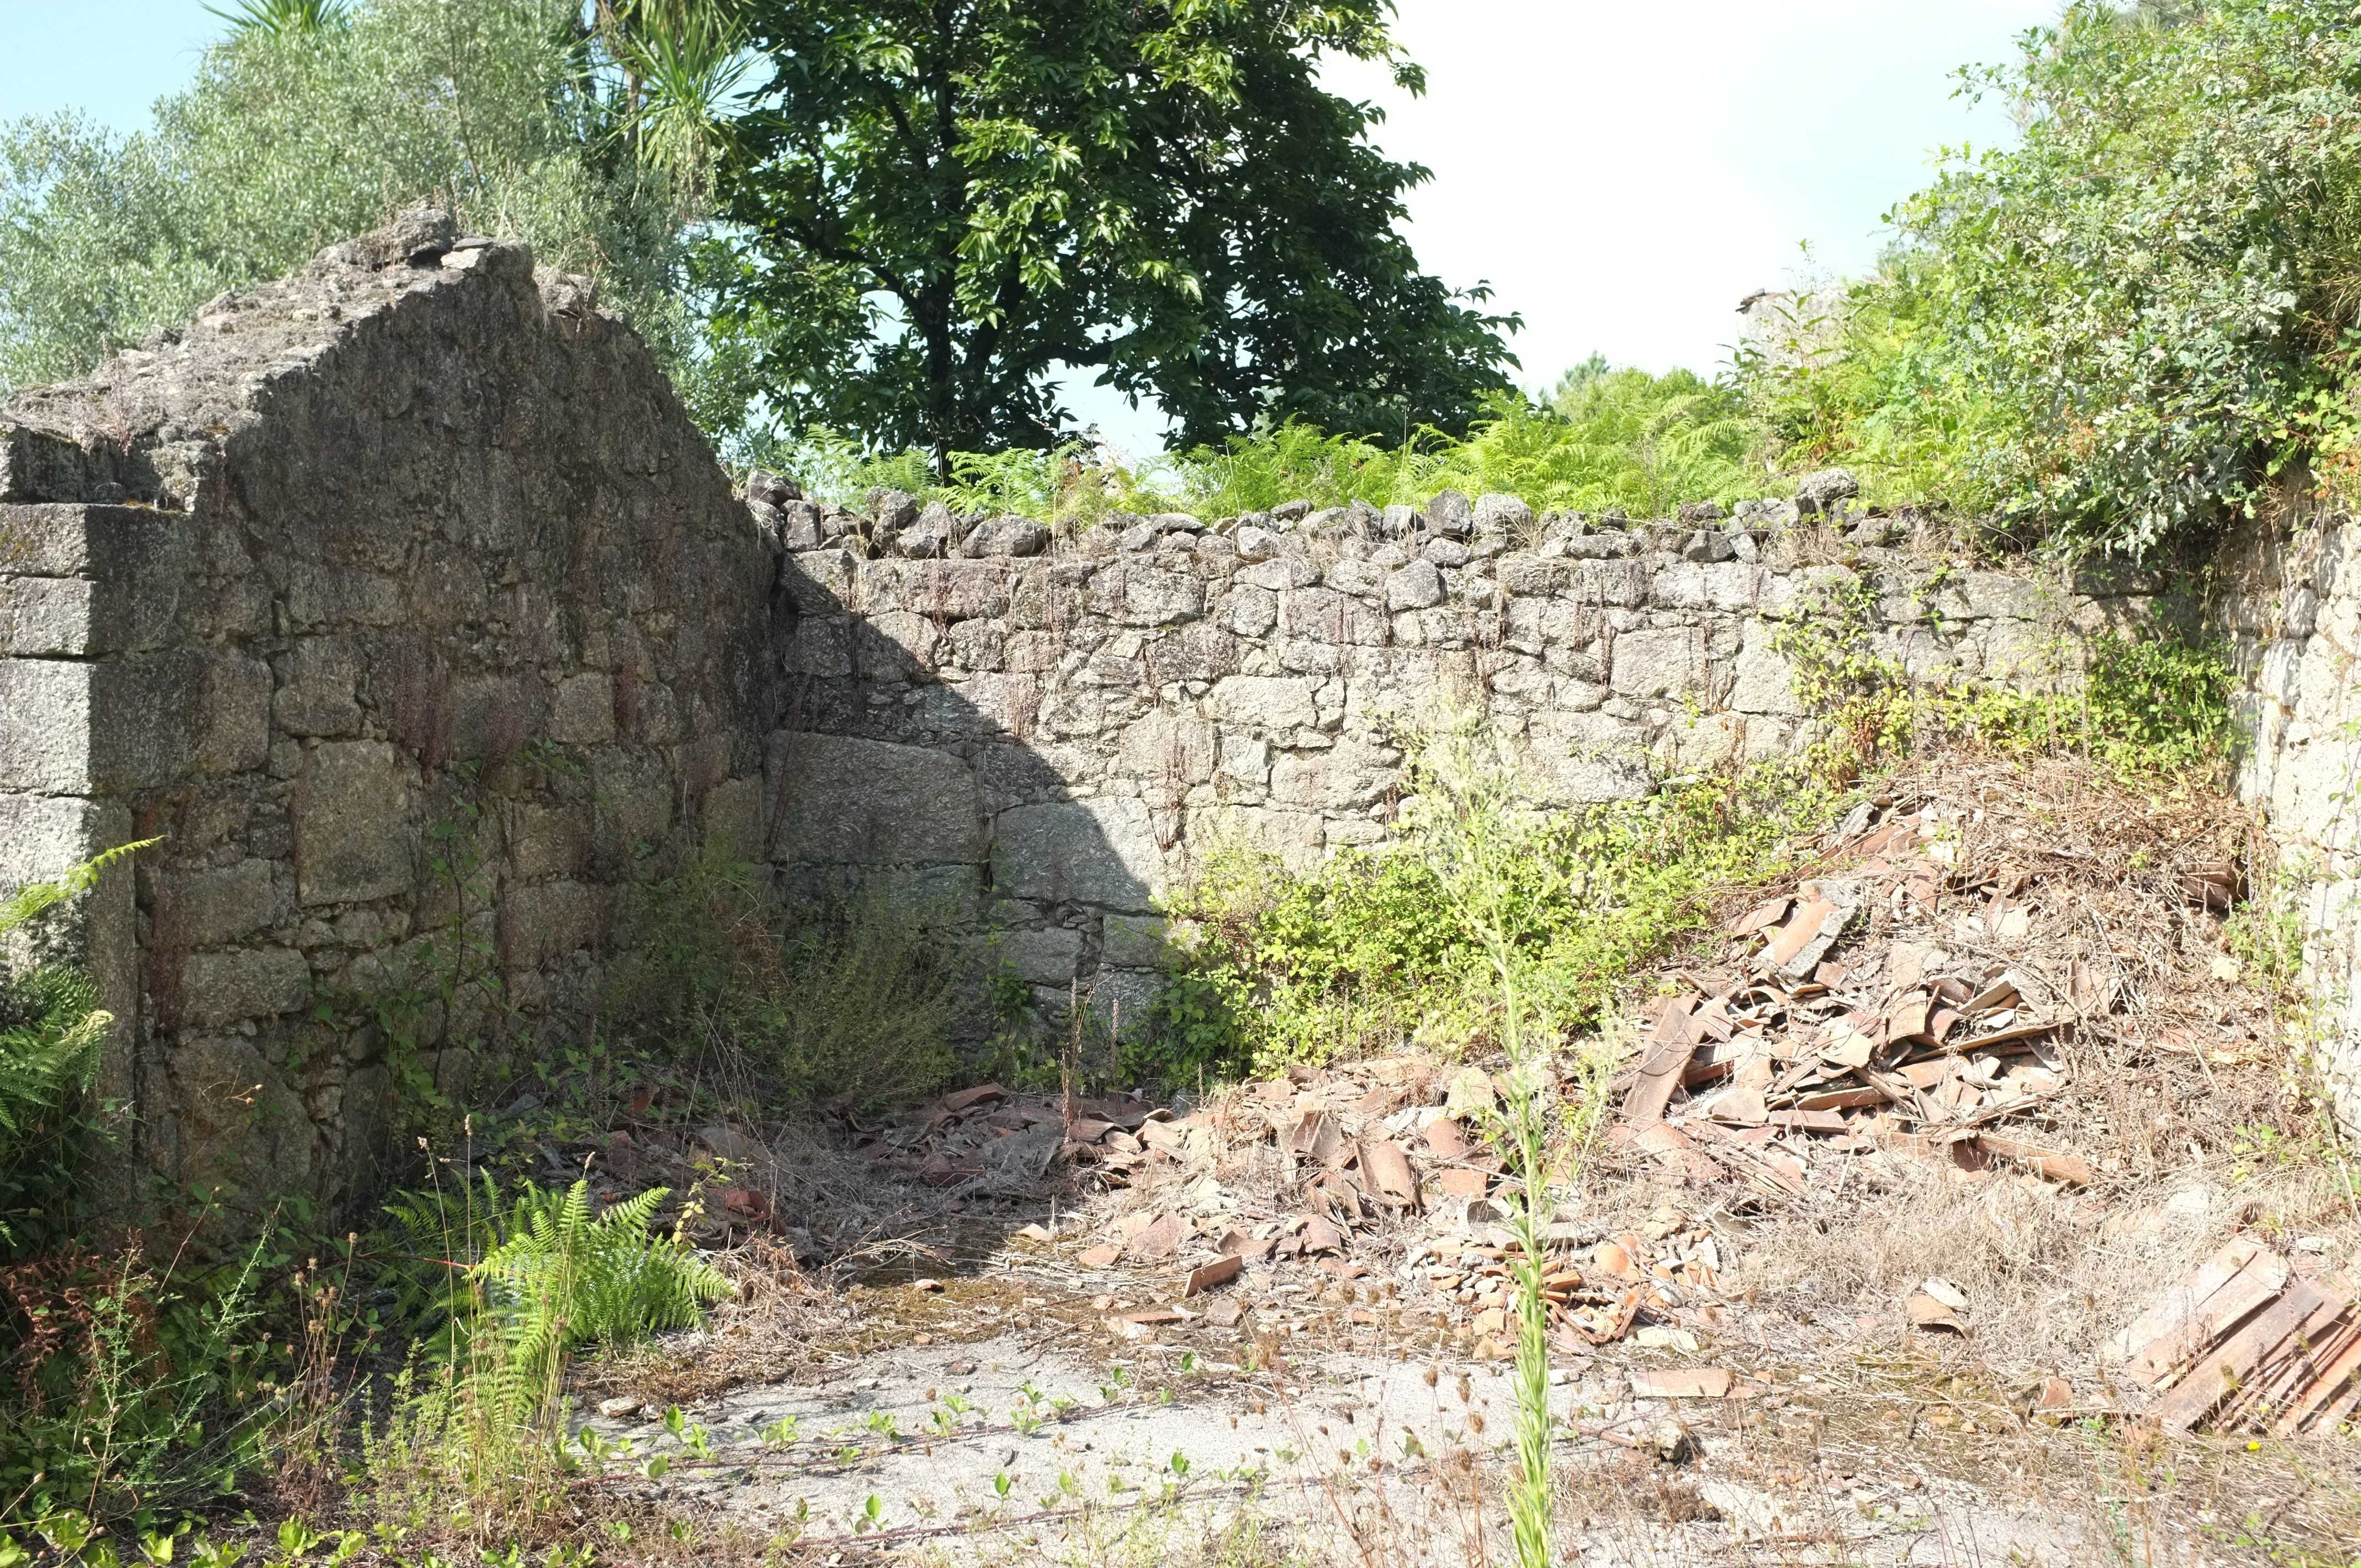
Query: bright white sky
x=1623, y=174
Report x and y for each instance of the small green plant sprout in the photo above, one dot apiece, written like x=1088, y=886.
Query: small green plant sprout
x=784, y=1432
x=297, y=1539
x=655, y=1465
x=872, y=1515
x=881, y=1423
x=1000, y=1484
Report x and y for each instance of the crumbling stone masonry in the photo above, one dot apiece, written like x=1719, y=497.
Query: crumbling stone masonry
x=2289, y=597
x=395, y=597
x=402, y=601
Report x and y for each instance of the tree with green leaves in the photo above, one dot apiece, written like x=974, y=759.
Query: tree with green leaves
x=2138, y=317
x=589, y=135
x=935, y=203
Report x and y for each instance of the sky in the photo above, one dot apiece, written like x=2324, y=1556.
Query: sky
x=1622, y=174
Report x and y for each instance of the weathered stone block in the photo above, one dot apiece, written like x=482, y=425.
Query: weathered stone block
x=47, y=618
x=1167, y=748
x=45, y=726
x=250, y=982
x=1765, y=678
x=1354, y=772
x=582, y=712
x=1049, y=957
x=1342, y=620
x=353, y=835
x=319, y=593
x=1099, y=852
x=1414, y=586
x=1154, y=596
x=843, y=801
x=550, y=920
x=1658, y=662
x=210, y=908
x=1268, y=702
x=320, y=696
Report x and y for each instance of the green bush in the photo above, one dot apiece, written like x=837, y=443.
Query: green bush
x=1370, y=952
x=852, y=999
x=2124, y=325
x=51, y=1033
x=2151, y=702
x=1607, y=440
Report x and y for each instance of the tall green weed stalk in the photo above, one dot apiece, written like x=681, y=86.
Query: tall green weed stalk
x=1474, y=812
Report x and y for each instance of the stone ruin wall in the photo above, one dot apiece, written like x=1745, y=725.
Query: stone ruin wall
x=1037, y=748
x=396, y=599
x=2289, y=595
x=403, y=600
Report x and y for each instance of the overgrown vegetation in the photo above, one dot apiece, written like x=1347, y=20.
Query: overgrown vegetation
x=844, y=999
x=2128, y=324
x=1608, y=441
x=2149, y=702
x=1370, y=951
x=51, y=1032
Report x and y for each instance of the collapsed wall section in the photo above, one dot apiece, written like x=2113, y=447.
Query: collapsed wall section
x=404, y=605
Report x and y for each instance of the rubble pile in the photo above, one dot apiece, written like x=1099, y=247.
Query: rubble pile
x=1903, y=1002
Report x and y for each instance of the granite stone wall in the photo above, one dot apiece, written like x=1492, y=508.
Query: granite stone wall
x=2289, y=594
x=1034, y=747
x=402, y=603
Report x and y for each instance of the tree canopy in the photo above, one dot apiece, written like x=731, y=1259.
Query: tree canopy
x=312, y=121
x=2124, y=325
x=937, y=202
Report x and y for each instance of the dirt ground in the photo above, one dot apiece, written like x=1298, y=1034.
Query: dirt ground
x=953, y=1345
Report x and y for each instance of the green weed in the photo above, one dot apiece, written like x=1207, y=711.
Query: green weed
x=852, y=999
x=1609, y=440
x=1370, y=951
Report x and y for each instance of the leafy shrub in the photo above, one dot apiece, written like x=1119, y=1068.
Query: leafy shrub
x=1372, y=950
x=2124, y=325
x=52, y=1033
x=520, y=1283
x=1609, y=439
x=560, y=1278
x=850, y=1000
x=130, y=1388
x=2150, y=702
